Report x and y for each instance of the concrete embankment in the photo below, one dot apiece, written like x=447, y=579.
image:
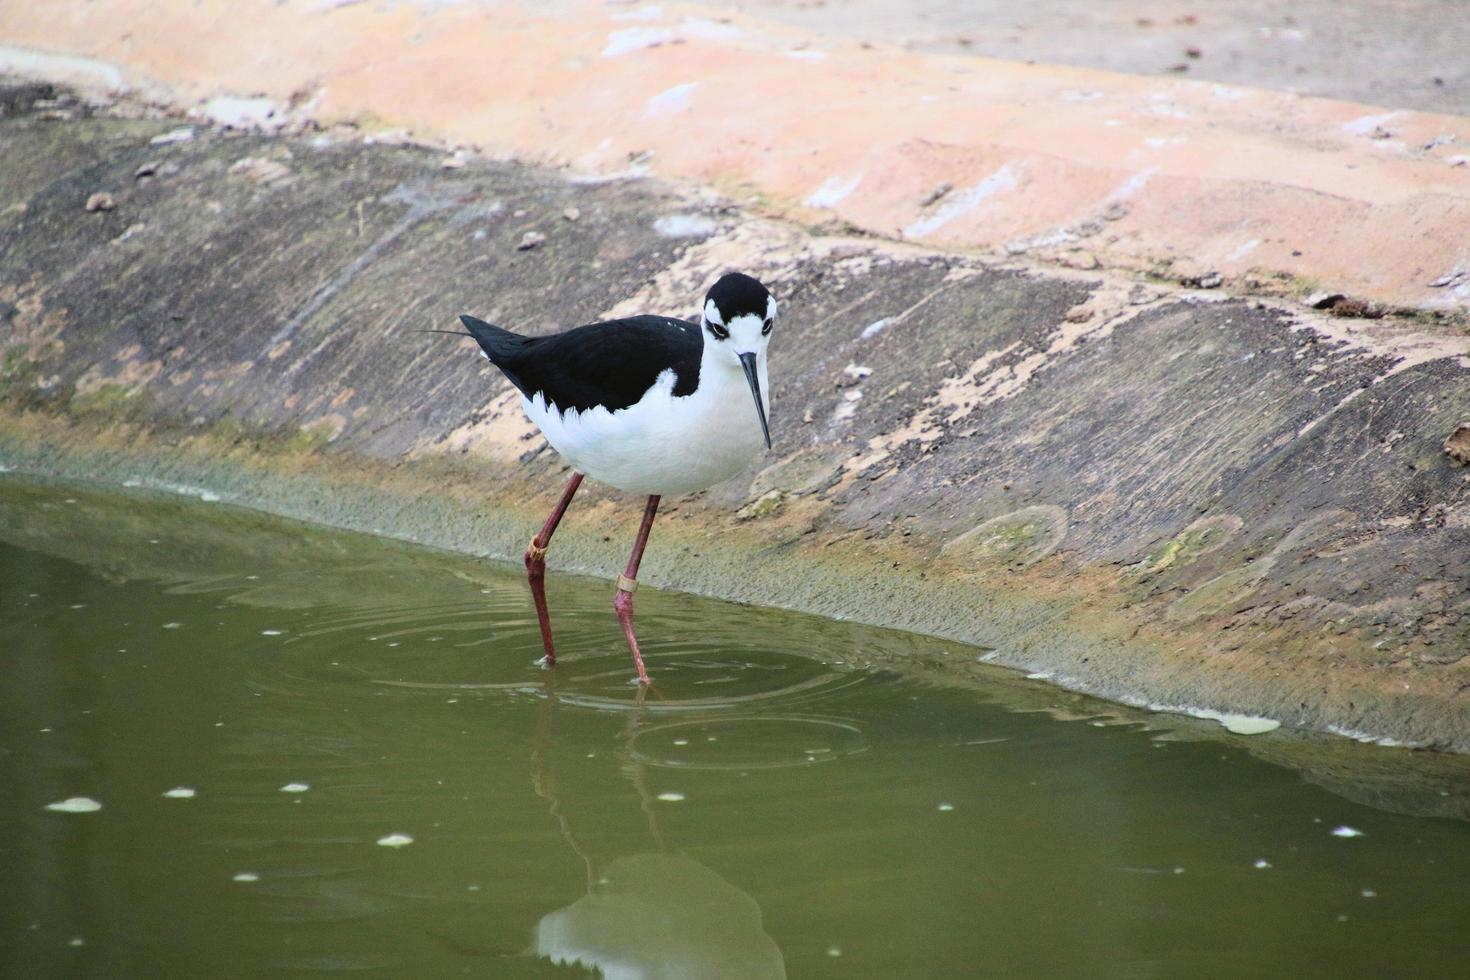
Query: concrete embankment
x=1153, y=492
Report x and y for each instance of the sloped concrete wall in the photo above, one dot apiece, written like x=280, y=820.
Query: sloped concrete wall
x=1151, y=494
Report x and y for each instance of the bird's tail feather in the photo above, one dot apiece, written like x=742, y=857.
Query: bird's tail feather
x=499, y=344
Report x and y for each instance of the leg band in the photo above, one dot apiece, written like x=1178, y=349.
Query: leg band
x=626, y=584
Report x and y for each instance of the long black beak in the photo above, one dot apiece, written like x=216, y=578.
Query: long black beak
x=747, y=361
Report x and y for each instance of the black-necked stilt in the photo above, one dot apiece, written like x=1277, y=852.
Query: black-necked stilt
x=647, y=404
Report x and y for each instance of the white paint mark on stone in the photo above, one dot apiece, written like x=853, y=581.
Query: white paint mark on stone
x=88, y=72
x=833, y=191
x=236, y=112
x=670, y=101
x=634, y=39
x=963, y=202
x=1243, y=250
x=684, y=226
x=1133, y=184
x=1363, y=125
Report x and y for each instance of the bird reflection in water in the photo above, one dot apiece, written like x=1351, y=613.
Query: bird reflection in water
x=654, y=915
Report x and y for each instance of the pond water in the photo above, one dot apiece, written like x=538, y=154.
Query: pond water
x=289, y=750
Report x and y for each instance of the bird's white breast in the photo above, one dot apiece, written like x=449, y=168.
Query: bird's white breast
x=661, y=444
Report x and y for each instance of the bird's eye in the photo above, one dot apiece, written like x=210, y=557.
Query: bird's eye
x=719, y=332
x=766, y=329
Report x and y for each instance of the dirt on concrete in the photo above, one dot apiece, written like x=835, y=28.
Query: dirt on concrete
x=1407, y=54
x=1159, y=495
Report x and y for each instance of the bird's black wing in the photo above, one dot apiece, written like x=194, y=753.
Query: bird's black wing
x=611, y=364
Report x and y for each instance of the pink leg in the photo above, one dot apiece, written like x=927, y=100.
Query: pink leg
x=536, y=565
x=628, y=582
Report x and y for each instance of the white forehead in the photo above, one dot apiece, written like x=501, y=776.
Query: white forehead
x=713, y=315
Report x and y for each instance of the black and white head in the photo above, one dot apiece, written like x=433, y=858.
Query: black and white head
x=739, y=315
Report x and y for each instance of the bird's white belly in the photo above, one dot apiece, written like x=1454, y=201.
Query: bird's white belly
x=662, y=444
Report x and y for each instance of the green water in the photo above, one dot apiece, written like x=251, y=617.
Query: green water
x=783, y=804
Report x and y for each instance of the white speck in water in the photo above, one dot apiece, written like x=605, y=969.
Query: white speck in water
x=271, y=632
x=452, y=701
x=80, y=605
x=75, y=804
x=834, y=951
x=219, y=724
x=251, y=578
x=1342, y=918
x=946, y=807
x=45, y=731
x=180, y=793
x=295, y=787
x=395, y=840
x=1261, y=863
x=1346, y=831
x=77, y=941
x=393, y=644
x=711, y=738
x=246, y=876
x=172, y=626
x=1179, y=871
x=591, y=755
x=681, y=741
x=473, y=888
x=1368, y=893
x=671, y=797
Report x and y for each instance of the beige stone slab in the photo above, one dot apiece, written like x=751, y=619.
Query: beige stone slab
x=1275, y=192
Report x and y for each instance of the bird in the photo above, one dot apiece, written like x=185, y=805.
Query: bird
x=652, y=405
